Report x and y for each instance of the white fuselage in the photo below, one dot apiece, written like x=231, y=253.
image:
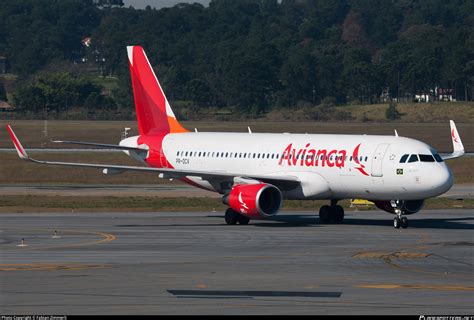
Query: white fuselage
x=325, y=164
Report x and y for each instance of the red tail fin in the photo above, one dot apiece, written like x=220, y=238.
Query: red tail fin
x=154, y=113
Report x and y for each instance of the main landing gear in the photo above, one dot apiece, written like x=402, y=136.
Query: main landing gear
x=331, y=214
x=232, y=217
x=400, y=220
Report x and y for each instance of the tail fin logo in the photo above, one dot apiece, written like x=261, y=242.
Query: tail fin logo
x=154, y=113
x=453, y=134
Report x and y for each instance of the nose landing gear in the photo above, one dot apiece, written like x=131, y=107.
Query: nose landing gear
x=400, y=220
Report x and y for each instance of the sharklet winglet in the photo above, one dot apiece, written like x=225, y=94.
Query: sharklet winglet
x=19, y=148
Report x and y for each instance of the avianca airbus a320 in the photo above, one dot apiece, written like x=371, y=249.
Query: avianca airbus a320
x=254, y=172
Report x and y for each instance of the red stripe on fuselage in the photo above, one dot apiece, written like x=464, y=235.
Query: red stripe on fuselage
x=157, y=157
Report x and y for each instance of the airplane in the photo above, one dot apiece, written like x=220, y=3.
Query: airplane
x=254, y=172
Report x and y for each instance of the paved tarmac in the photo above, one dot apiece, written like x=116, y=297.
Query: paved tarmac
x=192, y=263
x=459, y=191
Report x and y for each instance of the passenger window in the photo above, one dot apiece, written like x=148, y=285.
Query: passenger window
x=413, y=158
x=426, y=158
x=404, y=158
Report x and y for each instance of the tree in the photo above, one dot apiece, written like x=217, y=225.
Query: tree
x=3, y=92
x=250, y=54
x=59, y=92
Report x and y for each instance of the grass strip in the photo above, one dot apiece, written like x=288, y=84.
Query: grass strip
x=109, y=203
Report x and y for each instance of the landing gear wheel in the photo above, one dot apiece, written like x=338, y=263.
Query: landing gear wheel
x=231, y=217
x=404, y=222
x=397, y=223
x=325, y=214
x=338, y=213
x=243, y=220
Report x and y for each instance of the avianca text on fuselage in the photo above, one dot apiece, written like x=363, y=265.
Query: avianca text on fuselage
x=310, y=157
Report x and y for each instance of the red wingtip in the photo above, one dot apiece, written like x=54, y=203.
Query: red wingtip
x=19, y=148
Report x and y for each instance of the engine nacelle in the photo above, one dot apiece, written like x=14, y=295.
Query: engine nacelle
x=259, y=200
x=408, y=206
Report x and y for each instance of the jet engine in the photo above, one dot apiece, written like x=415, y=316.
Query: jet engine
x=407, y=206
x=254, y=201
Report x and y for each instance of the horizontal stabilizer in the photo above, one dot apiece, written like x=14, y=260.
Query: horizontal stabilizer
x=101, y=145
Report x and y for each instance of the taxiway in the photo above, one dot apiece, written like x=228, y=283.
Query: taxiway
x=193, y=263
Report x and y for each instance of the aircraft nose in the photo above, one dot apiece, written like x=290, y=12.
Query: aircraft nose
x=442, y=180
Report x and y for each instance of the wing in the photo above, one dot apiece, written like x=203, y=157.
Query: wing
x=458, y=147
x=283, y=182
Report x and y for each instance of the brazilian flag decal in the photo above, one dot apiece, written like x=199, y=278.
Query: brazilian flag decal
x=399, y=171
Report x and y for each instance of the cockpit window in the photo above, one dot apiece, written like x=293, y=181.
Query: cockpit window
x=413, y=158
x=437, y=157
x=426, y=158
x=404, y=158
